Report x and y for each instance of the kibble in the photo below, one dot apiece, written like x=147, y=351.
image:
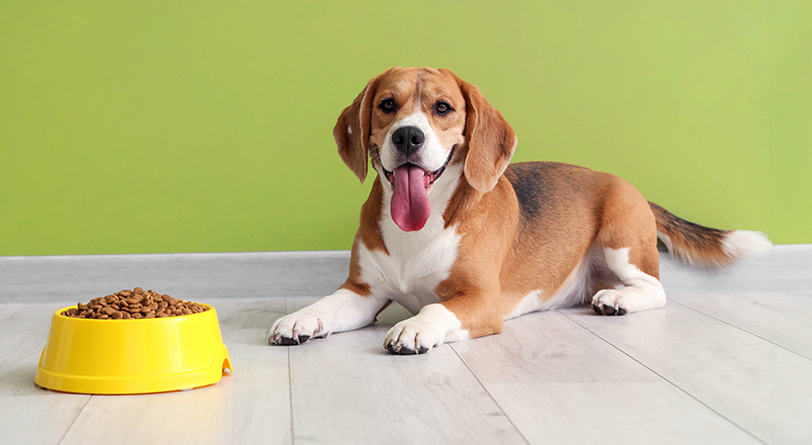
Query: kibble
x=134, y=304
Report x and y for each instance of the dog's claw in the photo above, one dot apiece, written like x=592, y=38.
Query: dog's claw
x=393, y=349
x=284, y=341
x=605, y=309
x=288, y=341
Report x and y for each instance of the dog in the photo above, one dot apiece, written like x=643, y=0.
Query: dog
x=465, y=240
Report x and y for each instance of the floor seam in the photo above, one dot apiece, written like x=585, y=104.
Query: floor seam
x=290, y=383
x=485, y=388
x=664, y=379
x=740, y=329
x=67, y=430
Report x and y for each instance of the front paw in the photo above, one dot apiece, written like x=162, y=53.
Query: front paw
x=609, y=302
x=412, y=337
x=295, y=329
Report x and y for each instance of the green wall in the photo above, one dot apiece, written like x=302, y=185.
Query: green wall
x=192, y=126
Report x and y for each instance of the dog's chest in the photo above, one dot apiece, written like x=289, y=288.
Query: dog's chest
x=417, y=262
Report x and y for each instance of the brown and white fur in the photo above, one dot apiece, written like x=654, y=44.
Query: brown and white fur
x=465, y=241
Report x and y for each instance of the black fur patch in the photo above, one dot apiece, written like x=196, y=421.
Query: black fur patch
x=528, y=180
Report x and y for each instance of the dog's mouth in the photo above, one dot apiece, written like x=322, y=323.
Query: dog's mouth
x=411, y=184
x=428, y=177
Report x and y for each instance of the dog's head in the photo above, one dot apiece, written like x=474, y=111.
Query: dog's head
x=414, y=123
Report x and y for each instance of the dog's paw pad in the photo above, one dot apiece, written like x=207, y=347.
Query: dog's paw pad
x=405, y=350
x=608, y=302
x=288, y=341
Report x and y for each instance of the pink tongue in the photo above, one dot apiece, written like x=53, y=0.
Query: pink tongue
x=410, y=202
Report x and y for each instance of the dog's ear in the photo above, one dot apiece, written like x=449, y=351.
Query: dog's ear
x=490, y=140
x=352, y=130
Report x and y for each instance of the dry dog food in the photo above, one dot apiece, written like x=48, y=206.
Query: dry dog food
x=136, y=303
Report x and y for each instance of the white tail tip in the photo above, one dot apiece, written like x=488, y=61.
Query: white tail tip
x=745, y=243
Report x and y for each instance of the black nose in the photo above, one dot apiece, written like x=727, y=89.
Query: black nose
x=408, y=139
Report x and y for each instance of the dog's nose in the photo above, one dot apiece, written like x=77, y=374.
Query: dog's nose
x=408, y=139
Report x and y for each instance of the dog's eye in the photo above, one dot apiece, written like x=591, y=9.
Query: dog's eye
x=387, y=105
x=442, y=108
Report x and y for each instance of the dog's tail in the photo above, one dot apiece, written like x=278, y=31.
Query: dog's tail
x=704, y=246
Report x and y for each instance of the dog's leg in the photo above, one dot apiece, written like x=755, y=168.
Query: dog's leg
x=344, y=310
x=640, y=290
x=628, y=241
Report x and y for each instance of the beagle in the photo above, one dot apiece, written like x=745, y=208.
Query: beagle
x=465, y=241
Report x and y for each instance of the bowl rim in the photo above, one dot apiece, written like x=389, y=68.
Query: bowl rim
x=58, y=314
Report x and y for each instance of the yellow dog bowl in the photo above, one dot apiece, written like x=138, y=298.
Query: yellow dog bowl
x=132, y=356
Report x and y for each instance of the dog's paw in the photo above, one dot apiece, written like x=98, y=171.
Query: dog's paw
x=609, y=302
x=295, y=329
x=433, y=326
x=412, y=337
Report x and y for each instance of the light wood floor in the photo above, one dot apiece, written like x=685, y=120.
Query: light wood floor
x=729, y=360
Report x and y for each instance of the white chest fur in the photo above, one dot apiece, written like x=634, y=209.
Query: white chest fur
x=417, y=261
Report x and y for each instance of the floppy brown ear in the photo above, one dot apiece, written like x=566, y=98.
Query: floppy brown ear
x=352, y=130
x=490, y=140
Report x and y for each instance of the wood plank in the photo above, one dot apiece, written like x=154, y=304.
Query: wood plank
x=559, y=383
x=24, y=334
x=29, y=414
x=757, y=385
x=38, y=419
x=194, y=277
x=769, y=295
x=9, y=309
x=781, y=270
x=347, y=389
x=291, y=274
x=779, y=318
x=250, y=406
